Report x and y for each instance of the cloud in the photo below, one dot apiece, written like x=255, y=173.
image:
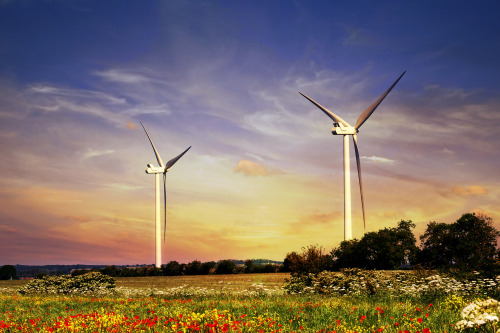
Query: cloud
x=378, y=159
x=88, y=102
x=78, y=219
x=7, y=229
x=250, y=168
x=94, y=153
x=76, y=94
x=448, y=151
x=468, y=191
x=357, y=37
x=122, y=76
x=131, y=125
x=321, y=218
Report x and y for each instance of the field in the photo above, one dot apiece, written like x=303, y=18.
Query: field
x=234, y=303
x=232, y=281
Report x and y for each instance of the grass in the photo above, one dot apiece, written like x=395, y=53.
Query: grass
x=234, y=281
x=225, y=305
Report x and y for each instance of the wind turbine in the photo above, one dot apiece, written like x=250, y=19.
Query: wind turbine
x=162, y=169
x=341, y=127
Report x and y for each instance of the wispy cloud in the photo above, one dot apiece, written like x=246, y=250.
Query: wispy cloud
x=131, y=125
x=94, y=153
x=92, y=103
x=358, y=36
x=321, y=218
x=7, y=229
x=124, y=76
x=76, y=93
x=468, y=191
x=251, y=168
x=378, y=159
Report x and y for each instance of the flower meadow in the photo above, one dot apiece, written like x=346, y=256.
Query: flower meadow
x=265, y=314
x=255, y=308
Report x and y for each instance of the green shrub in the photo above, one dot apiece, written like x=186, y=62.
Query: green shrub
x=93, y=283
x=351, y=281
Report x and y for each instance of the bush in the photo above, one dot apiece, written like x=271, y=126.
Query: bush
x=93, y=283
x=311, y=260
x=225, y=267
x=349, y=281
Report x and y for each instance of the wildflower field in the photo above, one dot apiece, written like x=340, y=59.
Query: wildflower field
x=256, y=303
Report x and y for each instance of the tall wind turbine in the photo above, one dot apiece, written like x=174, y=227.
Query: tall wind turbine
x=341, y=127
x=162, y=169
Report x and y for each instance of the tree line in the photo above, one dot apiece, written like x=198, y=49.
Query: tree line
x=196, y=267
x=468, y=244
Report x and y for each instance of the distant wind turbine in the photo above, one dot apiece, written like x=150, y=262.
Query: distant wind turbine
x=340, y=126
x=162, y=169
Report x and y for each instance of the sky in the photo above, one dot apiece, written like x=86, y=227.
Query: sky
x=264, y=176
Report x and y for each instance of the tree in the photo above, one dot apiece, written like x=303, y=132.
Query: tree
x=193, y=268
x=388, y=248
x=8, y=272
x=469, y=243
x=478, y=241
x=208, y=267
x=249, y=266
x=437, y=245
x=311, y=260
x=348, y=254
x=111, y=271
x=171, y=269
x=225, y=267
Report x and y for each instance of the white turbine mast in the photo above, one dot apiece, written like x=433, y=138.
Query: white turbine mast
x=162, y=169
x=341, y=127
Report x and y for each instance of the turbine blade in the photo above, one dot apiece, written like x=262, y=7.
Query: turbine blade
x=158, y=158
x=329, y=113
x=174, y=160
x=367, y=113
x=358, y=163
x=164, y=206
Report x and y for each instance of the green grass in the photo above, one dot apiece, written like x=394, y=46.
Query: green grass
x=144, y=304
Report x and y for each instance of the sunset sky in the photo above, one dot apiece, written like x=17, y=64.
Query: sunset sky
x=264, y=176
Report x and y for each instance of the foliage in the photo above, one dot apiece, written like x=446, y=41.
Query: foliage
x=208, y=267
x=249, y=266
x=310, y=260
x=8, y=272
x=172, y=268
x=348, y=282
x=356, y=282
x=90, y=283
x=480, y=316
x=468, y=244
x=389, y=248
x=193, y=268
x=225, y=267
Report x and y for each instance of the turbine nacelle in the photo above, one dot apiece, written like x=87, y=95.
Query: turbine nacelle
x=152, y=169
x=341, y=129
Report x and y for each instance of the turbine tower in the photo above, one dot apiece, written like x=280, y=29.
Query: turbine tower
x=341, y=127
x=162, y=169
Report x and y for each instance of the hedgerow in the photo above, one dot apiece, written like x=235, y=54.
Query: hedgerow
x=93, y=283
x=356, y=282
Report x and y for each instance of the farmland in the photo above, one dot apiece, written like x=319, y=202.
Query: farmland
x=239, y=303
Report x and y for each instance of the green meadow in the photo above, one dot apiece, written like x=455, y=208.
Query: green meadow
x=250, y=303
